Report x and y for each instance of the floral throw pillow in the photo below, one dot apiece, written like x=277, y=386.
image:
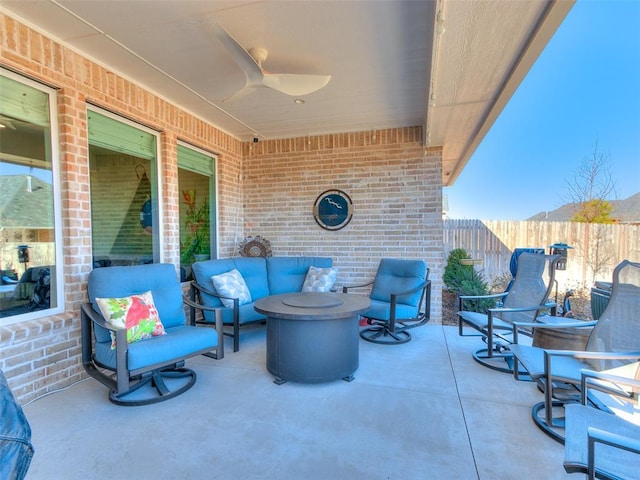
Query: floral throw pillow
x=136, y=313
x=319, y=279
x=231, y=284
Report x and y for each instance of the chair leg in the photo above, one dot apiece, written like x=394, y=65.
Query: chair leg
x=156, y=382
x=554, y=427
x=381, y=334
x=494, y=360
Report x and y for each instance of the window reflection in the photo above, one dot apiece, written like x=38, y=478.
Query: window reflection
x=123, y=192
x=27, y=220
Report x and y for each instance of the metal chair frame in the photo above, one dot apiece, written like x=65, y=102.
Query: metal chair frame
x=580, y=450
x=494, y=330
x=563, y=386
x=394, y=330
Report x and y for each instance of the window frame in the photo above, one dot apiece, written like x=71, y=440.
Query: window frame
x=156, y=180
x=53, y=147
x=213, y=193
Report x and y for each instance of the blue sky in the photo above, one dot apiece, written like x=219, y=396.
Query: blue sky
x=584, y=89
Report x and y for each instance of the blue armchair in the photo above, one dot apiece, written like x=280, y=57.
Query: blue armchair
x=400, y=300
x=152, y=369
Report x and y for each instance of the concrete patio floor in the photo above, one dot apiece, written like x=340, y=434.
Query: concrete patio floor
x=423, y=410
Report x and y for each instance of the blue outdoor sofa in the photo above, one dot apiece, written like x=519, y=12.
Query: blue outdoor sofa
x=263, y=277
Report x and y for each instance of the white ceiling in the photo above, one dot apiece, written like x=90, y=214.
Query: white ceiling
x=449, y=65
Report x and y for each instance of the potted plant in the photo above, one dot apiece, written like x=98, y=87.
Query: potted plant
x=197, y=245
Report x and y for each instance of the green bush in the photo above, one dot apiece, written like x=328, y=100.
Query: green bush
x=466, y=280
x=454, y=271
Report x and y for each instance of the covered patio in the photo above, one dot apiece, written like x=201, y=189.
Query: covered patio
x=421, y=410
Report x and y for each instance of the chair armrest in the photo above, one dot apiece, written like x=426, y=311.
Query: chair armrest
x=539, y=325
x=584, y=355
x=516, y=309
x=608, y=383
x=89, y=317
x=483, y=297
x=347, y=287
x=596, y=435
x=97, y=318
x=494, y=296
x=199, y=306
x=193, y=306
x=200, y=288
x=593, y=355
x=568, y=324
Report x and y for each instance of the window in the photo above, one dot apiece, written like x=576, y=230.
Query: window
x=196, y=181
x=124, y=186
x=31, y=284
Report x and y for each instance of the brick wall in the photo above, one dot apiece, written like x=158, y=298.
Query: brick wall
x=394, y=185
x=42, y=355
x=264, y=189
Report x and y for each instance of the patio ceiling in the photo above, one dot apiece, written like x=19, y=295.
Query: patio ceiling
x=448, y=65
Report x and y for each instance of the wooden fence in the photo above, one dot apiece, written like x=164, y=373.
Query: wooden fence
x=597, y=248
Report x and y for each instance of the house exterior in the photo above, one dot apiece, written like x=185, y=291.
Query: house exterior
x=393, y=176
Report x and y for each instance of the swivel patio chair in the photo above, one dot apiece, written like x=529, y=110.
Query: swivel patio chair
x=604, y=444
x=400, y=300
x=151, y=369
x=526, y=298
x=613, y=342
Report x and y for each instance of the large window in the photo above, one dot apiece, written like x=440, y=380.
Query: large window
x=196, y=181
x=30, y=231
x=124, y=186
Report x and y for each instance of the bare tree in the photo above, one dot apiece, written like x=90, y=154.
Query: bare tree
x=590, y=191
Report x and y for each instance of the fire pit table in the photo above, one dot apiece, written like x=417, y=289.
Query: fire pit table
x=312, y=337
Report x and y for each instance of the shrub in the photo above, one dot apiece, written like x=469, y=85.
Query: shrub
x=466, y=280
x=454, y=271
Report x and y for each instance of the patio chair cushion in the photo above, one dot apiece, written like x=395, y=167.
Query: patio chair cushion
x=231, y=284
x=180, y=341
x=319, y=279
x=382, y=311
x=396, y=275
x=136, y=313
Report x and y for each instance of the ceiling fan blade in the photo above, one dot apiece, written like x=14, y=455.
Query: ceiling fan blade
x=247, y=64
x=243, y=92
x=287, y=83
x=295, y=84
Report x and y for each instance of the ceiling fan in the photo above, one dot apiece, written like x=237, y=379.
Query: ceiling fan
x=250, y=62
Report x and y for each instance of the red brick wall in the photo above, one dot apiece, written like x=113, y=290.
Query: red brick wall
x=264, y=189
x=42, y=355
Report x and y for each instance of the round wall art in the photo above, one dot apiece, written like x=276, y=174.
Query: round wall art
x=333, y=209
